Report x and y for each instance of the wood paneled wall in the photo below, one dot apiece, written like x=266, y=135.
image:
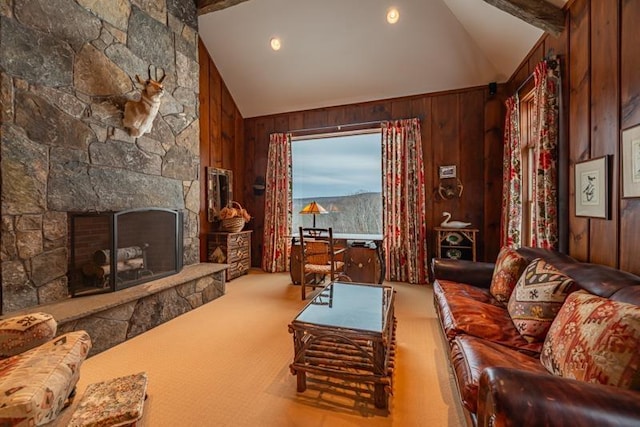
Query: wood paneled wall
x=600, y=60
x=221, y=136
x=462, y=128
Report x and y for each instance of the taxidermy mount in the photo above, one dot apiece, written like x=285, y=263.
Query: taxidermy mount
x=139, y=115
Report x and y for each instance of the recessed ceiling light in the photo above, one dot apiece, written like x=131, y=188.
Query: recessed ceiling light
x=275, y=43
x=393, y=15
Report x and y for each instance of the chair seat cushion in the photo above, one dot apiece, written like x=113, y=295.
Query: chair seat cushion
x=34, y=385
x=323, y=269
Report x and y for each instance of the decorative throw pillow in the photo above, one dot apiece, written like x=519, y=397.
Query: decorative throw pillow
x=596, y=340
x=509, y=267
x=21, y=333
x=537, y=298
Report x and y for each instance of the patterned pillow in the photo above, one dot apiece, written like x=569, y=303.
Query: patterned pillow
x=21, y=333
x=596, y=340
x=537, y=298
x=509, y=267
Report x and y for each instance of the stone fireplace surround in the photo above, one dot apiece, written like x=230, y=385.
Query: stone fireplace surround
x=67, y=67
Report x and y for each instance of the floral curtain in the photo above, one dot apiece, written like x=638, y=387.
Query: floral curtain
x=404, y=205
x=544, y=219
x=511, y=221
x=277, y=204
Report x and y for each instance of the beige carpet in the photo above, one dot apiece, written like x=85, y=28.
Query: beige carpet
x=227, y=364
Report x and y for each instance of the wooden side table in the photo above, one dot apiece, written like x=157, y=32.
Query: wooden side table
x=456, y=243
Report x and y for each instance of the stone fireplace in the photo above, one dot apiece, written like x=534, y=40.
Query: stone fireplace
x=67, y=68
x=117, y=250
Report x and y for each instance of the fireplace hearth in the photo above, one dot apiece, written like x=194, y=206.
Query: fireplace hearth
x=116, y=250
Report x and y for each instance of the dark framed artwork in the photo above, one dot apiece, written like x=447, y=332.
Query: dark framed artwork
x=592, y=187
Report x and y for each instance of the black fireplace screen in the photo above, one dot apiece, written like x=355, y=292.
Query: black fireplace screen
x=147, y=244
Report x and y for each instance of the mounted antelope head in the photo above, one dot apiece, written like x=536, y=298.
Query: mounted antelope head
x=139, y=115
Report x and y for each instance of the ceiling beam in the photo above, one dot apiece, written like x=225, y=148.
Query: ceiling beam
x=538, y=13
x=206, y=6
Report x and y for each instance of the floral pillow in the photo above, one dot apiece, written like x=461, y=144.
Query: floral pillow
x=509, y=267
x=537, y=298
x=595, y=339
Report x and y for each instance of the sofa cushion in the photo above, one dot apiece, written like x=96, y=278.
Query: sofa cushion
x=34, y=385
x=537, y=298
x=509, y=267
x=595, y=339
x=467, y=310
x=21, y=333
x=471, y=355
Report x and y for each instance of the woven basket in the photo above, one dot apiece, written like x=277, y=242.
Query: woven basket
x=233, y=225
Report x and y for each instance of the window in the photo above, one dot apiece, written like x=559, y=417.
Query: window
x=343, y=174
x=527, y=107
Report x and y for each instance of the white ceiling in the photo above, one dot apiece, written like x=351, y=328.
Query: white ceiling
x=338, y=52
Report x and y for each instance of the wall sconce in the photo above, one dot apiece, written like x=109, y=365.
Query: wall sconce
x=448, y=189
x=259, y=186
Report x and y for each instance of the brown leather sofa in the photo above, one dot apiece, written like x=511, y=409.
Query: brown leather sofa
x=501, y=381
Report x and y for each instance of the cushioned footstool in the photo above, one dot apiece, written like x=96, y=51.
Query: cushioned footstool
x=115, y=402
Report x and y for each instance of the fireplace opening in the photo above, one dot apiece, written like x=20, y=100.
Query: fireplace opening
x=116, y=250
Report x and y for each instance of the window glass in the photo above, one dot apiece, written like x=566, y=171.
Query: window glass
x=343, y=174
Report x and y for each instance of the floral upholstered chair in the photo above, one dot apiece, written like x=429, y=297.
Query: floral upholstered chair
x=38, y=371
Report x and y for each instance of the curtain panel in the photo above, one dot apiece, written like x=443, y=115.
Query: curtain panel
x=511, y=221
x=404, y=204
x=277, y=205
x=544, y=219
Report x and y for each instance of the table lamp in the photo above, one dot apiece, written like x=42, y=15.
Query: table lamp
x=313, y=208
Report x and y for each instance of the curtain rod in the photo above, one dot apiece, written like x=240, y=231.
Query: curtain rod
x=337, y=127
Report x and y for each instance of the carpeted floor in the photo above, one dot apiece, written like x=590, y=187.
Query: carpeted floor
x=227, y=364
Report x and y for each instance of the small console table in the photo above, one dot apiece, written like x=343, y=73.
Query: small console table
x=230, y=248
x=456, y=243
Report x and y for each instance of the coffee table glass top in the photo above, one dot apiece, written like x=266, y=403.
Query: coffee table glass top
x=349, y=306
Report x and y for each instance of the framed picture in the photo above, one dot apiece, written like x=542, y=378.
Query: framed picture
x=447, y=171
x=630, y=155
x=592, y=187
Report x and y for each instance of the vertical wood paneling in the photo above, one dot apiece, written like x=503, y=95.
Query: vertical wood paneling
x=604, y=122
x=445, y=151
x=630, y=107
x=204, y=100
x=445, y=119
x=471, y=164
x=579, y=114
x=599, y=51
x=494, y=118
x=221, y=136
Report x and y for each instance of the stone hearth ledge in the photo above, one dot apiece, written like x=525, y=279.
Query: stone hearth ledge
x=114, y=317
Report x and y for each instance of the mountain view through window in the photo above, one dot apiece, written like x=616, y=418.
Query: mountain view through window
x=343, y=174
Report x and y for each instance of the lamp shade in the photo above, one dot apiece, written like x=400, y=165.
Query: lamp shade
x=313, y=208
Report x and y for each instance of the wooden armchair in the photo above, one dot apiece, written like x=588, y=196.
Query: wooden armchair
x=319, y=258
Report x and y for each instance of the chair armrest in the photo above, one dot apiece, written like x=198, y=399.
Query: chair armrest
x=463, y=271
x=513, y=397
x=21, y=333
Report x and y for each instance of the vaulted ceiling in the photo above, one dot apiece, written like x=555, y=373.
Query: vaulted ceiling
x=343, y=51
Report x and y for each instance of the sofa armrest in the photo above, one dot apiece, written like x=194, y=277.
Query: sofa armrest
x=512, y=397
x=463, y=271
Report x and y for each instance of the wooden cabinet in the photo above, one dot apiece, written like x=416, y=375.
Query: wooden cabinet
x=456, y=243
x=230, y=248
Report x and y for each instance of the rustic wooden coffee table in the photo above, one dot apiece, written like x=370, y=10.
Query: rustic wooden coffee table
x=347, y=331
